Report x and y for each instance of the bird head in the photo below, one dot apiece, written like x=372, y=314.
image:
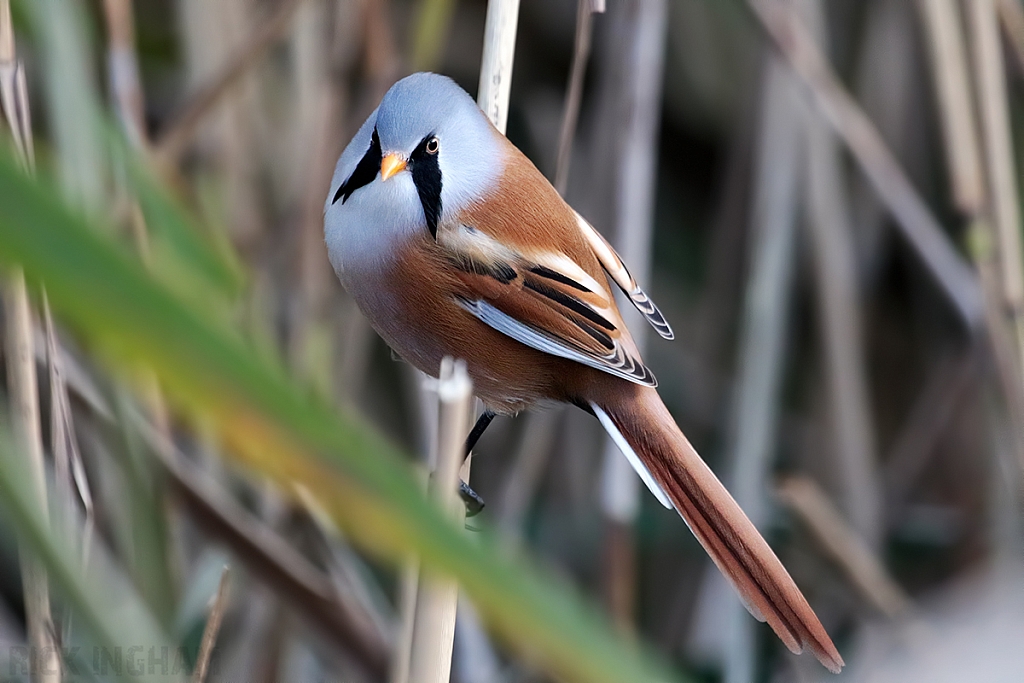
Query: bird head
x=426, y=152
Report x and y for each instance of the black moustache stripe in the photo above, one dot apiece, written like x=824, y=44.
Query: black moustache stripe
x=366, y=170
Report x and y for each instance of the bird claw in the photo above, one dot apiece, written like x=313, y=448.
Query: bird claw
x=471, y=499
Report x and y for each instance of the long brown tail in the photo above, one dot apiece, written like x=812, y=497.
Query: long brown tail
x=717, y=521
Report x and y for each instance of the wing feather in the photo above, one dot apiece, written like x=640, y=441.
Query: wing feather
x=615, y=363
x=546, y=301
x=616, y=269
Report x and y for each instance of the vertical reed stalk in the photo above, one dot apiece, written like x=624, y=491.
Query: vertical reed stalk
x=1004, y=204
x=950, y=74
x=19, y=348
x=151, y=537
x=493, y=98
x=636, y=118
x=828, y=222
x=1004, y=274
x=24, y=400
x=408, y=589
x=779, y=164
x=213, y=622
x=574, y=92
x=319, y=123
x=496, y=64
x=13, y=92
x=975, y=187
x=437, y=603
x=433, y=629
x=123, y=69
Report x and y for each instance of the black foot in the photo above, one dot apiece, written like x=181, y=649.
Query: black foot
x=471, y=499
x=474, y=503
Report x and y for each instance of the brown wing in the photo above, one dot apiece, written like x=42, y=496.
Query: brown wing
x=544, y=300
x=531, y=272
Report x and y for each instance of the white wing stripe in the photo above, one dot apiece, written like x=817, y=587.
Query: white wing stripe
x=613, y=363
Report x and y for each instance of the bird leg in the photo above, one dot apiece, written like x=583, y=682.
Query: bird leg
x=478, y=430
x=472, y=500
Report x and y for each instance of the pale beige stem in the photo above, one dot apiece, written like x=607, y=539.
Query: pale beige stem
x=123, y=69
x=779, y=165
x=574, y=93
x=950, y=72
x=409, y=583
x=24, y=403
x=437, y=603
x=1011, y=16
x=13, y=91
x=496, y=65
x=949, y=61
x=23, y=392
x=437, y=598
x=126, y=86
x=7, y=52
x=839, y=313
x=1004, y=204
x=220, y=604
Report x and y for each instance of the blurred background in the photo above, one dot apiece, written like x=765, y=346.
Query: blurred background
x=822, y=197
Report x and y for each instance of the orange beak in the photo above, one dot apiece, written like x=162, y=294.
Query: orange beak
x=390, y=165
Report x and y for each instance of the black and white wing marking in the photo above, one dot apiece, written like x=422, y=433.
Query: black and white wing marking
x=616, y=269
x=614, y=362
x=545, y=301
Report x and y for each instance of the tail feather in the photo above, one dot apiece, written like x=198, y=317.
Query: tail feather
x=714, y=517
x=634, y=459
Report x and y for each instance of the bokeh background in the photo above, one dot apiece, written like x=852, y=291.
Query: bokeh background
x=822, y=197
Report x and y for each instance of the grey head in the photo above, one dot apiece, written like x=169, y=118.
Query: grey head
x=426, y=153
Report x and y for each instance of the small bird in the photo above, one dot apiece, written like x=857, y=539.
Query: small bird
x=452, y=243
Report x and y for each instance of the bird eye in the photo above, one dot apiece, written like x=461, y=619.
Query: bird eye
x=432, y=146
